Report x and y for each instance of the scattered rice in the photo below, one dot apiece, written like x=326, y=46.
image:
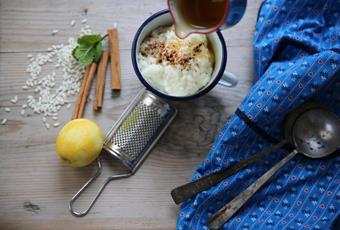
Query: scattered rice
x=56, y=124
x=83, y=21
x=49, y=94
x=22, y=112
x=47, y=125
x=55, y=118
x=8, y=109
x=85, y=31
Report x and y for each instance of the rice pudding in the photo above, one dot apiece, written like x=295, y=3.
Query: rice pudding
x=177, y=67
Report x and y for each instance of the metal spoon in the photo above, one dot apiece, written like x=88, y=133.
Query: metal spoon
x=190, y=189
x=315, y=134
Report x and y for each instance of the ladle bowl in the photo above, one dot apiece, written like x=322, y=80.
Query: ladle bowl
x=315, y=133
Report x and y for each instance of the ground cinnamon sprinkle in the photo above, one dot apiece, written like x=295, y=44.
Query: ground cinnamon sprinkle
x=177, y=67
x=169, y=53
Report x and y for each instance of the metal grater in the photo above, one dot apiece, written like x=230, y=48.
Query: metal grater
x=132, y=137
x=138, y=129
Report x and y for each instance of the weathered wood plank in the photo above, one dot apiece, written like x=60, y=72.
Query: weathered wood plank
x=27, y=26
x=29, y=168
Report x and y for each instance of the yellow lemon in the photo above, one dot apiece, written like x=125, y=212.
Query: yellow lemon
x=79, y=142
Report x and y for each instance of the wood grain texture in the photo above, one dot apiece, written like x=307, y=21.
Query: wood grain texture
x=35, y=187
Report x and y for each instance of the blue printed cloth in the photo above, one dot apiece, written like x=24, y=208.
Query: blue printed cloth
x=296, y=53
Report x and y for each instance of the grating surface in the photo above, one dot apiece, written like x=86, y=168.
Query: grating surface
x=139, y=129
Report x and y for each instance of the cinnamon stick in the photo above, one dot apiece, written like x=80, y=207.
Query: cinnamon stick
x=100, y=83
x=115, y=60
x=81, y=92
x=88, y=83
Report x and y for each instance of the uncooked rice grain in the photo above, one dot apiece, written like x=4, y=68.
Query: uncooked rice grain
x=54, y=32
x=14, y=100
x=51, y=90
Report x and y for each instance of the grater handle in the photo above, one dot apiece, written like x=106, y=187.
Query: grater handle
x=93, y=178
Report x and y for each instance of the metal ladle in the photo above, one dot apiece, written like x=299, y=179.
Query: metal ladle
x=315, y=134
x=190, y=189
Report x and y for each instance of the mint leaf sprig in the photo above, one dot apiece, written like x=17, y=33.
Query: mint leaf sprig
x=89, y=48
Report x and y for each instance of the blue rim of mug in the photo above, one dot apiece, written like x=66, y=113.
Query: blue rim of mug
x=167, y=96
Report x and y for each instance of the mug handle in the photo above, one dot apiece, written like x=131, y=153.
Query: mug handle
x=228, y=79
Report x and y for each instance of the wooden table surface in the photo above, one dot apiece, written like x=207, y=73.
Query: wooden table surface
x=35, y=187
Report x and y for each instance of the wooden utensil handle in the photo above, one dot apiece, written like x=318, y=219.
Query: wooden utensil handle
x=188, y=190
x=225, y=213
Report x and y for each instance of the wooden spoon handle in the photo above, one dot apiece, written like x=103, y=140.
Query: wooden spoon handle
x=226, y=212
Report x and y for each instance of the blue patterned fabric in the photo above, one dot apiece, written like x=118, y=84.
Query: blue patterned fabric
x=296, y=53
